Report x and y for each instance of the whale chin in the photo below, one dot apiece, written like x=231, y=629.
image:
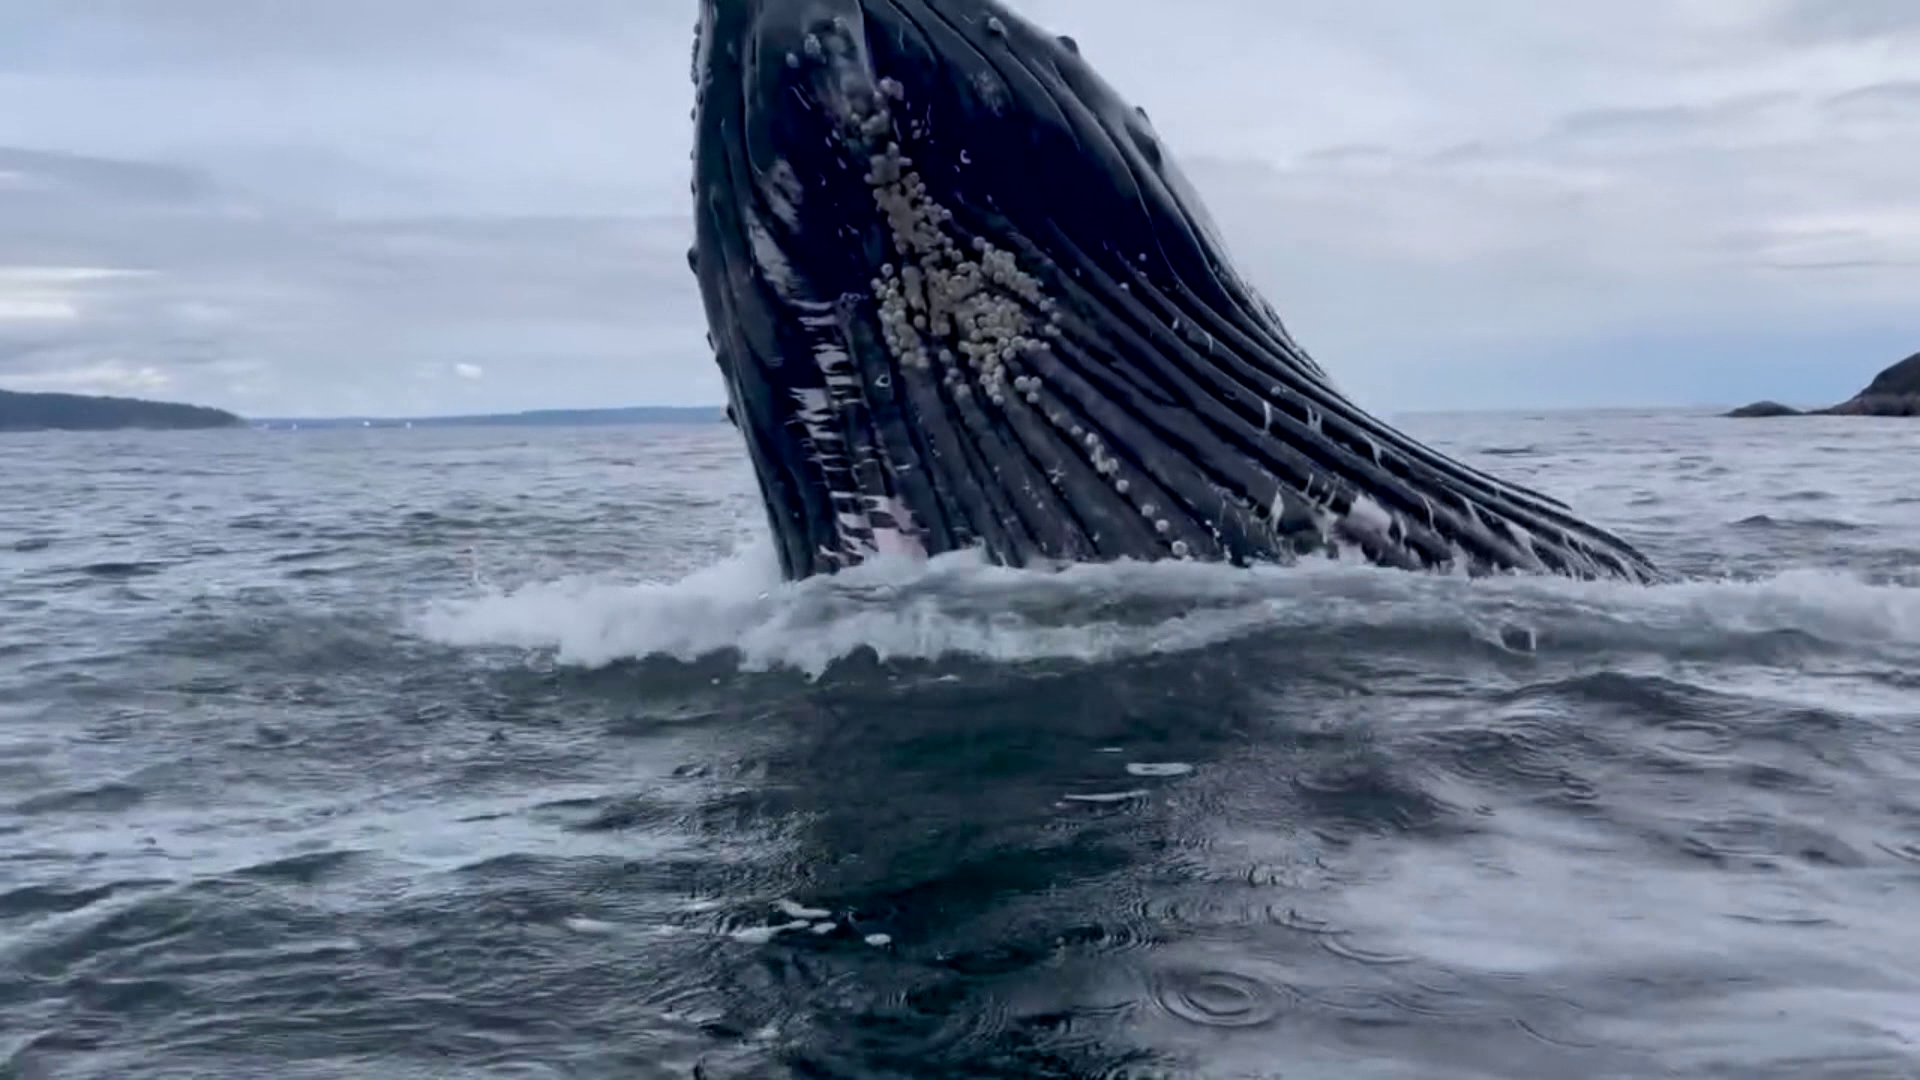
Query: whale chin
x=963, y=298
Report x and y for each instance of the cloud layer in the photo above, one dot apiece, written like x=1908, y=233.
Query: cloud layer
x=394, y=206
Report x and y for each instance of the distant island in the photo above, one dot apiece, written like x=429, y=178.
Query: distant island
x=86, y=412
x=1893, y=392
x=639, y=414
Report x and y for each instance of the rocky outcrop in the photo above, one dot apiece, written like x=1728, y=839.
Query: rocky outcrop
x=1765, y=408
x=1893, y=392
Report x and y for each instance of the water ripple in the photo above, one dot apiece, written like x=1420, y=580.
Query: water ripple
x=507, y=753
x=1218, y=998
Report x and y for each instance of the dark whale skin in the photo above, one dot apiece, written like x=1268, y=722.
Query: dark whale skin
x=962, y=297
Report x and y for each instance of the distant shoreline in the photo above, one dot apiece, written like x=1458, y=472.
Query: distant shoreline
x=32, y=412
x=27, y=412
x=638, y=414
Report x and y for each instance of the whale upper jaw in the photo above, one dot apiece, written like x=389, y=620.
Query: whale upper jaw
x=962, y=297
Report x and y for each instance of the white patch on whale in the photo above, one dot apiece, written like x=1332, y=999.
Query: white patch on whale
x=784, y=192
x=1368, y=518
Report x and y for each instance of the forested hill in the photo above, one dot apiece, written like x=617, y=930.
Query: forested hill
x=84, y=412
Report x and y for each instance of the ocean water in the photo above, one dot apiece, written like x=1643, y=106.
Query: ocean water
x=499, y=753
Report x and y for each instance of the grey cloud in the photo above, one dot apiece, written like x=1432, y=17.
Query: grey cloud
x=1850, y=19
x=1711, y=213
x=110, y=34
x=325, y=317
x=1642, y=119
x=333, y=206
x=1704, y=118
x=52, y=175
x=1843, y=265
x=1356, y=156
x=286, y=313
x=360, y=106
x=1899, y=95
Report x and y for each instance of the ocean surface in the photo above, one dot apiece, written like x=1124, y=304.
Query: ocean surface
x=504, y=753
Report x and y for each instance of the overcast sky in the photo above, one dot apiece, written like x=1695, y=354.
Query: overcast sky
x=415, y=206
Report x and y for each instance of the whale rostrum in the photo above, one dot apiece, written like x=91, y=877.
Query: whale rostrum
x=962, y=297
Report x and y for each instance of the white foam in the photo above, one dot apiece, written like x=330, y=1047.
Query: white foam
x=957, y=605
x=797, y=911
x=760, y=935
x=1158, y=768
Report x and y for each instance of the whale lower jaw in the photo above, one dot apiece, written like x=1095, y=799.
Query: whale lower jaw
x=922, y=362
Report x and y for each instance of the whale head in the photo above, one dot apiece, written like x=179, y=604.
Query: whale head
x=962, y=296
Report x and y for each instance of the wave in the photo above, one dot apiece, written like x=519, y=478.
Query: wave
x=957, y=605
x=1795, y=524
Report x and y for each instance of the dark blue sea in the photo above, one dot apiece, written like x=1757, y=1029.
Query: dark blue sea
x=503, y=753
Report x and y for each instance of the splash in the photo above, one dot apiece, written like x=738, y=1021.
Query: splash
x=958, y=605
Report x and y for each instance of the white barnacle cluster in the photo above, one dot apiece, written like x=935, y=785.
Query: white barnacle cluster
x=965, y=311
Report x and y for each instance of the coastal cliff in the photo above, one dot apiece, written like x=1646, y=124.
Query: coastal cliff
x=85, y=412
x=1893, y=392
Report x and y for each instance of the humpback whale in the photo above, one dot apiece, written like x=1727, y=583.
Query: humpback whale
x=963, y=297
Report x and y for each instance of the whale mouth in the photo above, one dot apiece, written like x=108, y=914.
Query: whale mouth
x=962, y=297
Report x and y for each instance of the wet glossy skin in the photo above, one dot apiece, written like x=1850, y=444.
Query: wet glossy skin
x=963, y=297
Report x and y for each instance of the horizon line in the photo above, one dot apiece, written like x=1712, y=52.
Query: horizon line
x=721, y=407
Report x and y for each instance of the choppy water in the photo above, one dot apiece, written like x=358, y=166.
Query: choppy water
x=407, y=754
